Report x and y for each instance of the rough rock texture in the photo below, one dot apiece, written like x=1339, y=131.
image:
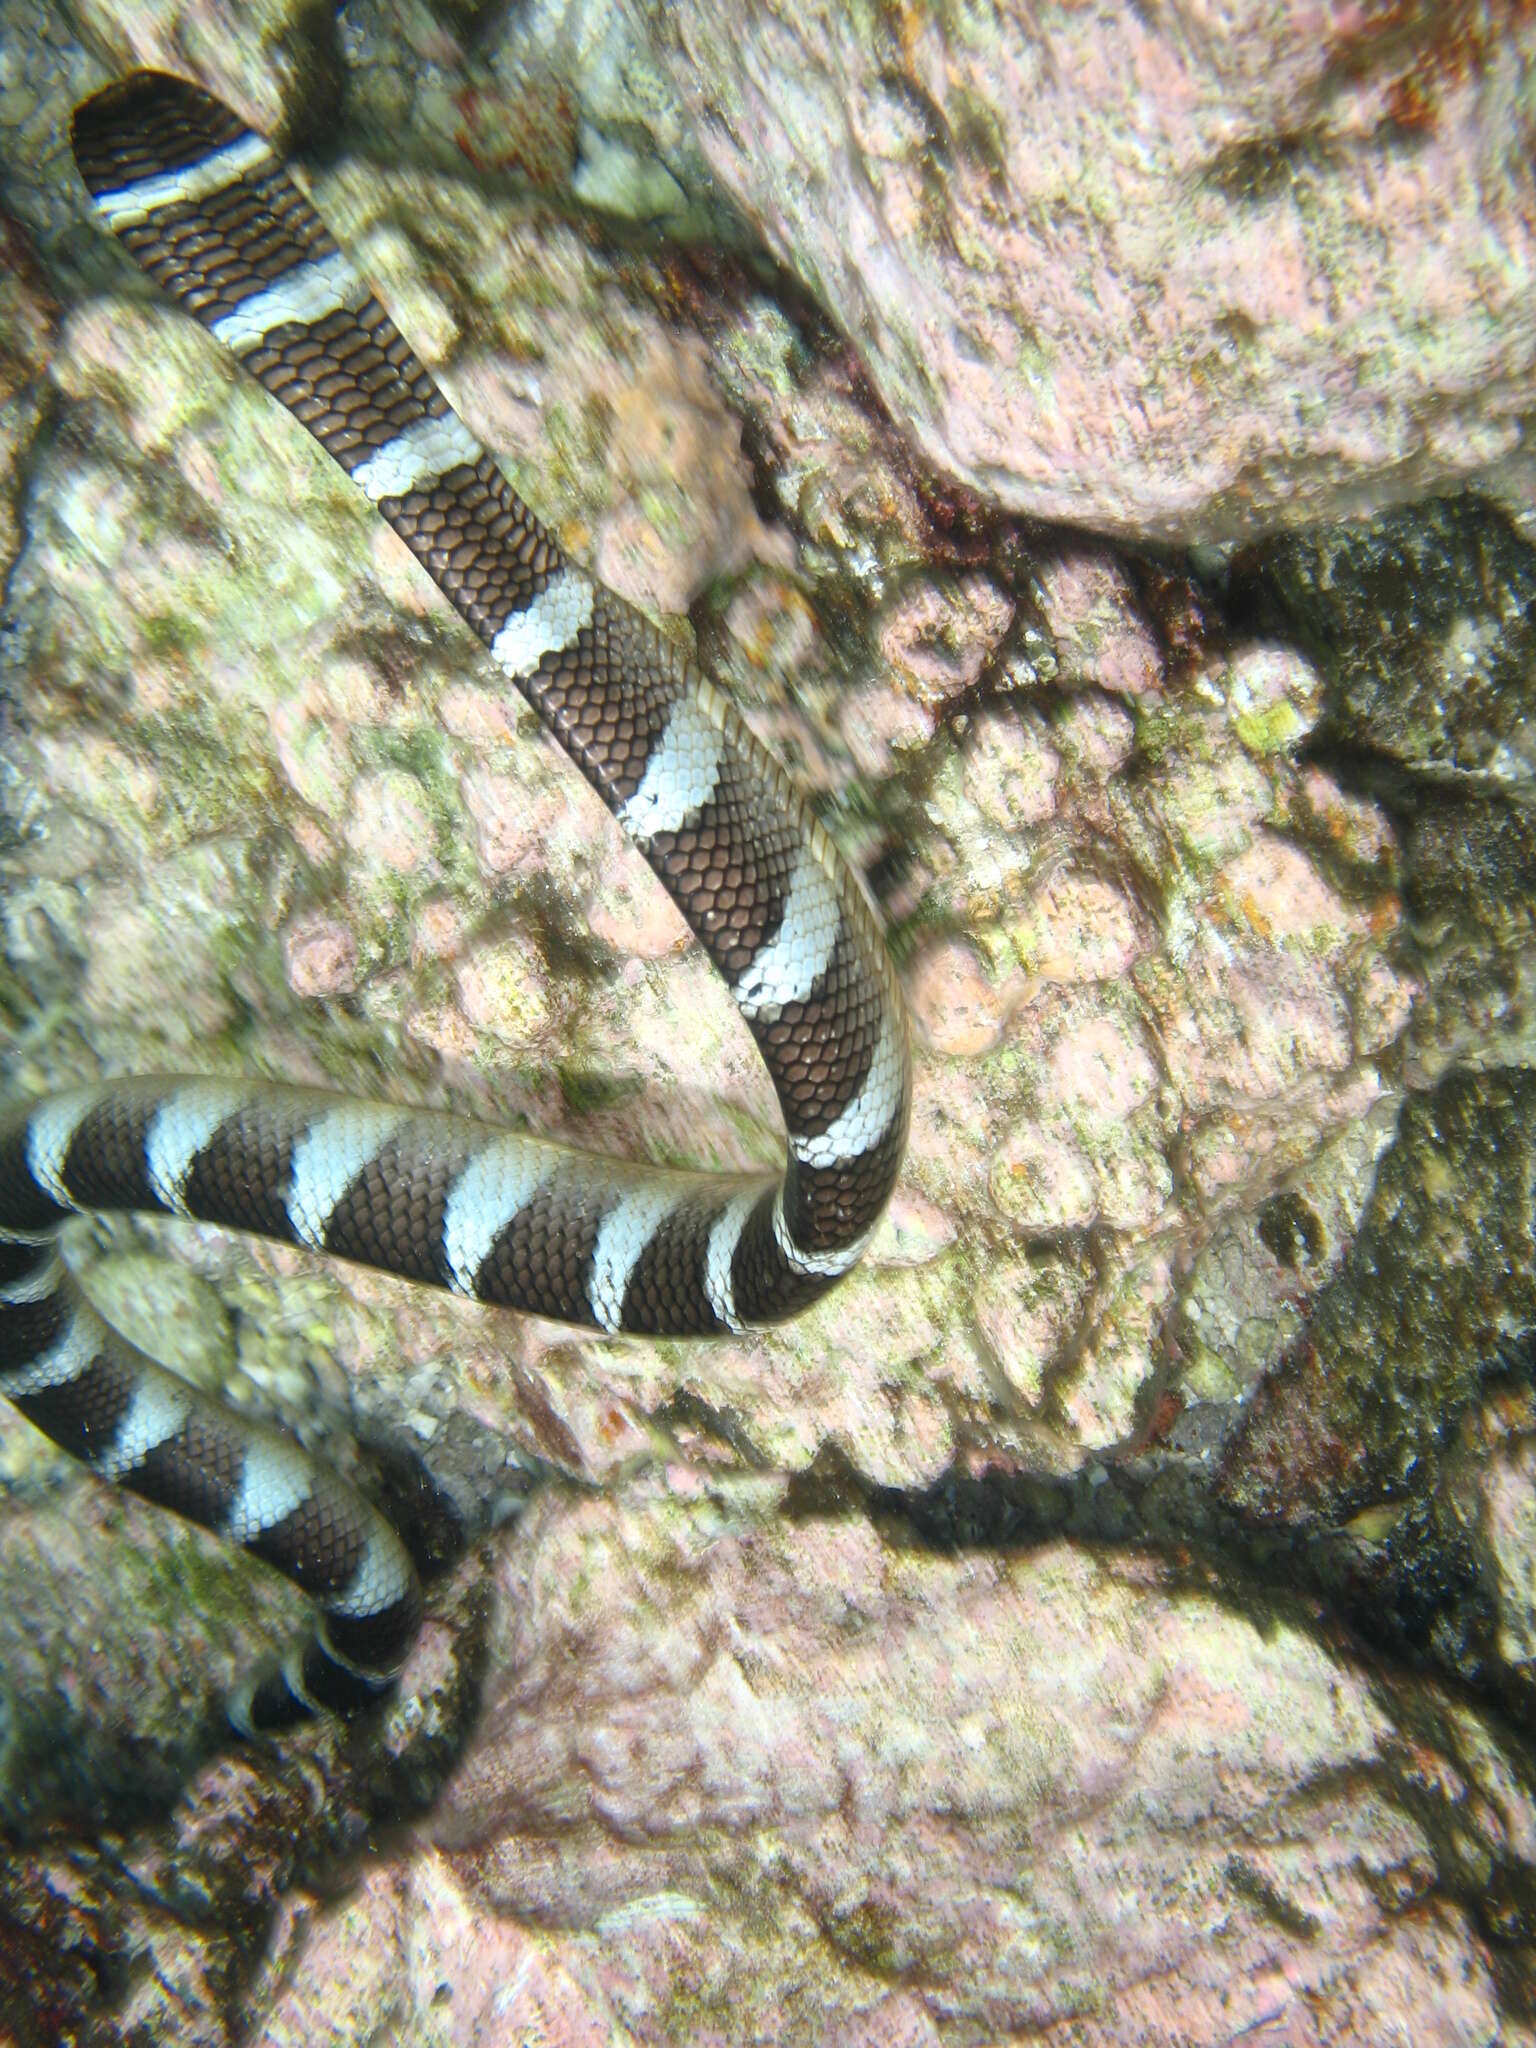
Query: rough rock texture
x=1420, y=623
x=749, y=1778
x=931, y=1799
x=1180, y=273
x=746, y=1774
x=1491, y=1486
x=1183, y=275
x=93, y=1715
x=261, y=772
x=1441, y=1276
x=154, y=1934
x=1211, y=883
x=1424, y=623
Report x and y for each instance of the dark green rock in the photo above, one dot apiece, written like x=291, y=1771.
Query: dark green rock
x=1423, y=621
x=1470, y=872
x=1442, y=1274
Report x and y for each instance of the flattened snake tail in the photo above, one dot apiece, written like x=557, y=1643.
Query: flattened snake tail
x=207, y=209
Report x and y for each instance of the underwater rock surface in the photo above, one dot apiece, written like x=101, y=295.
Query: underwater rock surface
x=1176, y=273
x=1177, y=276
x=1211, y=882
x=1424, y=623
x=748, y=1776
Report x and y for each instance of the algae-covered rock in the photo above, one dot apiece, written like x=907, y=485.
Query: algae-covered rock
x=749, y=1776
x=269, y=777
x=1471, y=893
x=1423, y=623
x=1441, y=1276
x=130, y=1931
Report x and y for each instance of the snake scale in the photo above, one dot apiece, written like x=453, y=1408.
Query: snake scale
x=208, y=210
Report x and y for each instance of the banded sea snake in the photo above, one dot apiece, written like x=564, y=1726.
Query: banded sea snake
x=205, y=206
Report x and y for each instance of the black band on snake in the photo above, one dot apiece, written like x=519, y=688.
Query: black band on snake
x=206, y=208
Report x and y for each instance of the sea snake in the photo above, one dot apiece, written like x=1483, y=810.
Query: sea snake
x=206, y=207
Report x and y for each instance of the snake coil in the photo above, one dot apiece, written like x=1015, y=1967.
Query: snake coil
x=207, y=209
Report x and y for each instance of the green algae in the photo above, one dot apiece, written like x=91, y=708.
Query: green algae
x=1273, y=730
x=213, y=773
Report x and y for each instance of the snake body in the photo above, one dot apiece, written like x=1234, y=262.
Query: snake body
x=208, y=210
